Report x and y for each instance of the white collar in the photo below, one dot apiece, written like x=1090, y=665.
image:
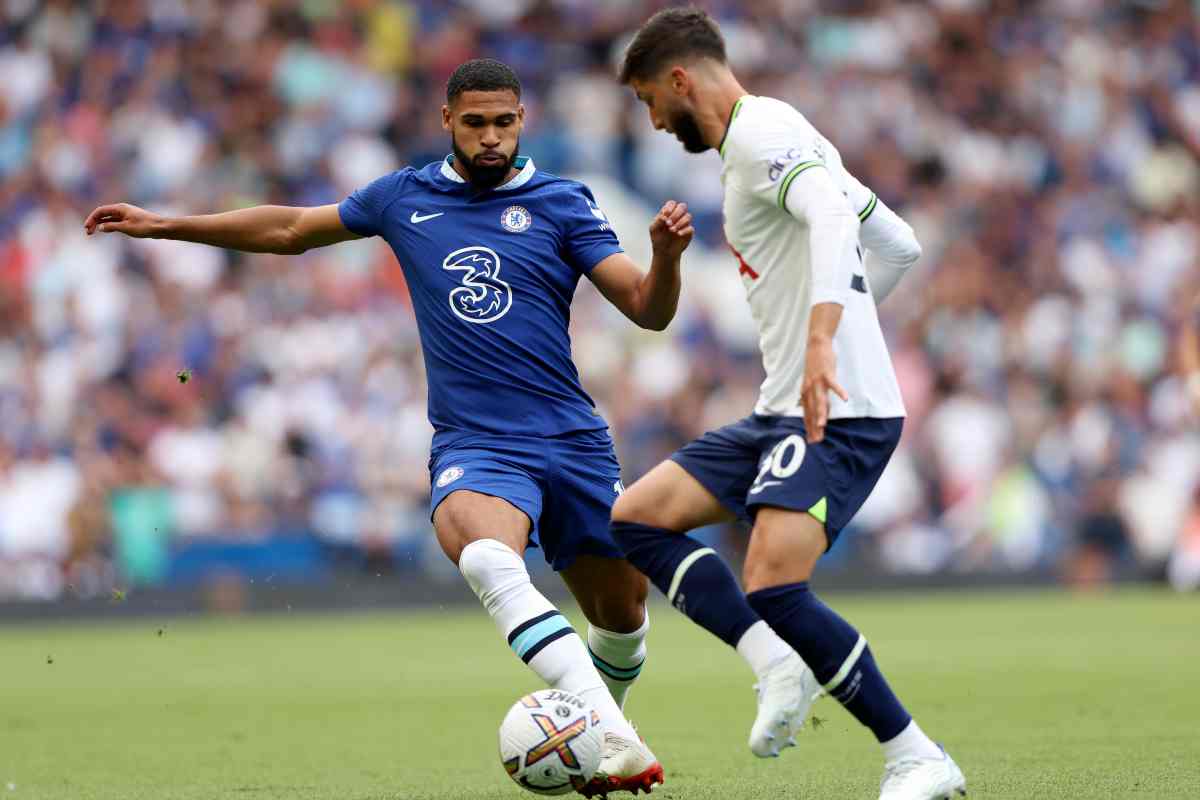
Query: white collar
x=524, y=163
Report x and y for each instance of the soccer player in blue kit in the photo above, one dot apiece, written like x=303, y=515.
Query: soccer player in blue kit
x=492, y=250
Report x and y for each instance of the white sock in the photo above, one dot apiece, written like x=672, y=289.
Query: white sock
x=762, y=648
x=534, y=628
x=910, y=743
x=619, y=657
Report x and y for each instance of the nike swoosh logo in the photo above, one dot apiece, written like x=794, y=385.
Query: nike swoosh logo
x=417, y=217
x=765, y=485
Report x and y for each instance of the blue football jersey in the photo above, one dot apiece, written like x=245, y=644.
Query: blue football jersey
x=491, y=276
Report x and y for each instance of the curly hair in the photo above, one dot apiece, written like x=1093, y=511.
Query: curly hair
x=482, y=75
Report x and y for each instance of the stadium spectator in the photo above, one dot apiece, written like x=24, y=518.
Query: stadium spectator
x=1048, y=157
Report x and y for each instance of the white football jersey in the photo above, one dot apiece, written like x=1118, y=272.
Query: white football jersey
x=768, y=144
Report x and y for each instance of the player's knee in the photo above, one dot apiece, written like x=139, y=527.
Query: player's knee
x=451, y=527
x=624, y=611
x=784, y=548
x=620, y=615
x=463, y=518
x=642, y=506
x=627, y=509
x=763, y=573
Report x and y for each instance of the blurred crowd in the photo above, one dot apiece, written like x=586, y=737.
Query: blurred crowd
x=157, y=394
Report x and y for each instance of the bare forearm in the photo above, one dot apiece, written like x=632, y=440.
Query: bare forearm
x=823, y=322
x=649, y=299
x=261, y=229
x=659, y=294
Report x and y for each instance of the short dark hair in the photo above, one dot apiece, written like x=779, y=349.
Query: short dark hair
x=671, y=35
x=482, y=75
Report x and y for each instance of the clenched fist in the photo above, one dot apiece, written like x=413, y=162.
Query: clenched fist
x=671, y=231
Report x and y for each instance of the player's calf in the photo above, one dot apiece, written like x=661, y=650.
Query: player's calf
x=697, y=582
x=618, y=657
x=648, y=520
x=535, y=630
x=837, y=653
x=612, y=595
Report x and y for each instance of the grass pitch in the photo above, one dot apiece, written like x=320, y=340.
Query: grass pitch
x=1035, y=694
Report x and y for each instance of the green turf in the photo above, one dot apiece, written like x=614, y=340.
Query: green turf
x=1037, y=695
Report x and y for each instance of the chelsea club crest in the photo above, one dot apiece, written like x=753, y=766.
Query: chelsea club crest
x=516, y=219
x=449, y=476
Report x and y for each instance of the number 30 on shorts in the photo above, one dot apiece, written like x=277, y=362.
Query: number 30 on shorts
x=781, y=463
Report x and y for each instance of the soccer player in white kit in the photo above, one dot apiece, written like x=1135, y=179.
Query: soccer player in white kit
x=827, y=420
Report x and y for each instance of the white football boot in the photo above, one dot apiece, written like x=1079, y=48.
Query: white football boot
x=785, y=696
x=626, y=765
x=923, y=779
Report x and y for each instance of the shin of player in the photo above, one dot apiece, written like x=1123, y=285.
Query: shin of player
x=485, y=536
x=649, y=522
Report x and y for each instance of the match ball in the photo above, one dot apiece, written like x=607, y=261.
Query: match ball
x=550, y=742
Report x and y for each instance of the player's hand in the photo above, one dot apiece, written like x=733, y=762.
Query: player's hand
x=671, y=231
x=820, y=378
x=122, y=218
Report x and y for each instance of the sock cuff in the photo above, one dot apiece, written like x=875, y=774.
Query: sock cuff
x=761, y=596
x=628, y=534
x=622, y=525
x=605, y=636
x=610, y=670
x=482, y=547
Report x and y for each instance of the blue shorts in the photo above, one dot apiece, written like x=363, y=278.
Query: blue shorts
x=566, y=485
x=765, y=461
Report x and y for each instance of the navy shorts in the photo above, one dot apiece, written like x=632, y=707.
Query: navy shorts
x=566, y=485
x=765, y=461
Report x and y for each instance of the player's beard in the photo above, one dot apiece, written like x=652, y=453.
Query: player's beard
x=484, y=176
x=687, y=131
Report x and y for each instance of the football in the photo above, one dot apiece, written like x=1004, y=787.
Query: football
x=550, y=742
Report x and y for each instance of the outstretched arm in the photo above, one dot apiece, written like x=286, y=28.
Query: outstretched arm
x=649, y=298
x=262, y=229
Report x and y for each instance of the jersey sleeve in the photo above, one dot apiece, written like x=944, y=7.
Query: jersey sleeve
x=785, y=164
x=362, y=211
x=769, y=159
x=833, y=234
x=862, y=199
x=588, y=237
x=892, y=247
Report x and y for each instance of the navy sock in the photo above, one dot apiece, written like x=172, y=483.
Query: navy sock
x=837, y=654
x=693, y=577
